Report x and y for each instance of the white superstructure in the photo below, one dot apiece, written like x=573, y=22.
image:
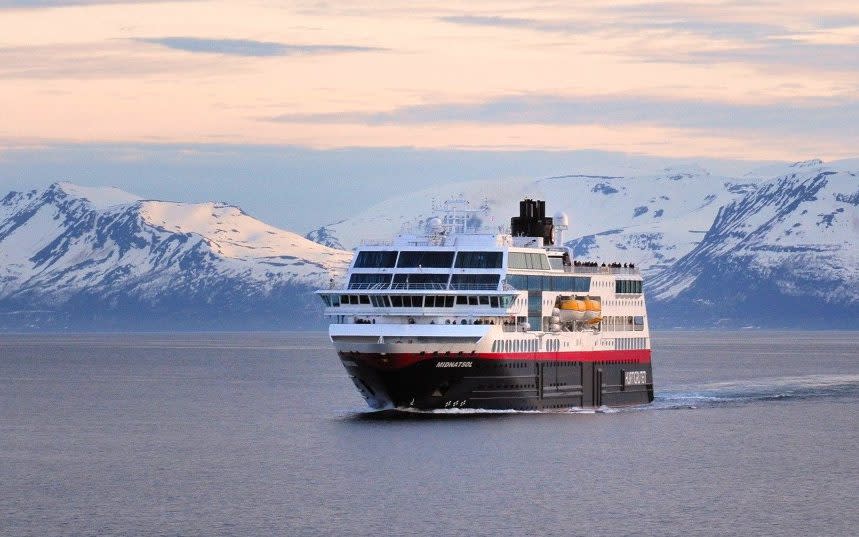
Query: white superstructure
x=456, y=287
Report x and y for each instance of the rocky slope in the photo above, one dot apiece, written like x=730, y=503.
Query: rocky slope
x=776, y=247
x=72, y=256
x=786, y=254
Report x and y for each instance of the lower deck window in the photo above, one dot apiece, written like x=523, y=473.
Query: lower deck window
x=438, y=302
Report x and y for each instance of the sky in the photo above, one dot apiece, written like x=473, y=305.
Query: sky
x=297, y=109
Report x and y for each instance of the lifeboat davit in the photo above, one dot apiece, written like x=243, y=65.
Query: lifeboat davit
x=572, y=309
x=593, y=309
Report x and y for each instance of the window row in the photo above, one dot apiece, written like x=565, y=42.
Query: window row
x=427, y=259
x=611, y=323
x=516, y=345
x=630, y=343
x=463, y=282
x=570, y=284
x=627, y=286
x=417, y=301
x=525, y=260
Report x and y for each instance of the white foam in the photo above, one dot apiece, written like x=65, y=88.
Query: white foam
x=765, y=389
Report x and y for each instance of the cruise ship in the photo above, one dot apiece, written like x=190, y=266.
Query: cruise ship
x=453, y=315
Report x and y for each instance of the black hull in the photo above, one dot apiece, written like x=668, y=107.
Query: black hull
x=501, y=384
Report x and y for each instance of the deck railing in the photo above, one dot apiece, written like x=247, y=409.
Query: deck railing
x=421, y=287
x=601, y=270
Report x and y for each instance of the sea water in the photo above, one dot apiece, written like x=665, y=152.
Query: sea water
x=751, y=433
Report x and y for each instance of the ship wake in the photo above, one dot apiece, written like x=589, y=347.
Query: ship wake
x=742, y=392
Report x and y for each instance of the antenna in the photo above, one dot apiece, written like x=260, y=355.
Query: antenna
x=562, y=223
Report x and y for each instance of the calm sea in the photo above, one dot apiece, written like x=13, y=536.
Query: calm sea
x=752, y=433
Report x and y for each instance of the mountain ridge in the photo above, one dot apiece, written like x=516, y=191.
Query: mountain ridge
x=125, y=262
x=679, y=228
x=776, y=247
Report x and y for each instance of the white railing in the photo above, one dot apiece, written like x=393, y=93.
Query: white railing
x=581, y=269
x=420, y=287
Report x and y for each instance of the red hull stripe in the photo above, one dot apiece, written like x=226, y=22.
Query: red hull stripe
x=638, y=356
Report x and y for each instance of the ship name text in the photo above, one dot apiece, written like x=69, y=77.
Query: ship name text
x=634, y=378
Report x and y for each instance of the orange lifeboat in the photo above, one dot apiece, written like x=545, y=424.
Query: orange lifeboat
x=593, y=309
x=572, y=309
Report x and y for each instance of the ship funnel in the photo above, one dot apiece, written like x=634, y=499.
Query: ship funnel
x=532, y=221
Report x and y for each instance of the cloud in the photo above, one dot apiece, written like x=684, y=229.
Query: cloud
x=38, y=4
x=726, y=25
x=778, y=52
x=664, y=17
x=821, y=115
x=98, y=60
x=559, y=26
x=127, y=58
x=719, y=20
x=837, y=22
x=248, y=47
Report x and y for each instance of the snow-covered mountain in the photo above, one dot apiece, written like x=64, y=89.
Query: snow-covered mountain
x=77, y=256
x=652, y=220
x=777, y=247
x=784, y=235
x=785, y=254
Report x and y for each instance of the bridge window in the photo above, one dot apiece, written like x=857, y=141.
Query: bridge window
x=425, y=259
x=570, y=284
x=475, y=281
x=375, y=259
x=420, y=281
x=480, y=260
x=557, y=263
x=369, y=281
x=527, y=260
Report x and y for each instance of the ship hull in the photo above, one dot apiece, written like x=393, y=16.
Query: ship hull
x=534, y=381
